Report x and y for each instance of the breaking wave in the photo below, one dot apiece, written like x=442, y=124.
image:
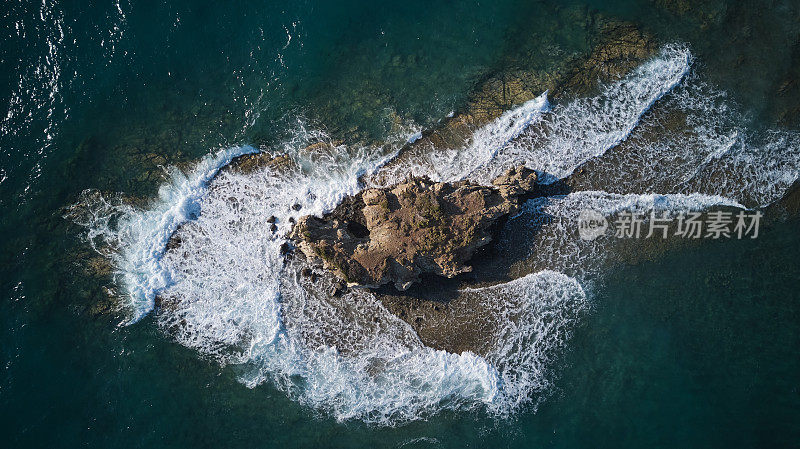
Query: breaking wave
x=138, y=238
x=226, y=290
x=696, y=140
x=556, y=140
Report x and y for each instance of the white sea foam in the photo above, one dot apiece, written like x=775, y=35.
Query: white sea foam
x=698, y=141
x=229, y=293
x=232, y=297
x=138, y=237
x=556, y=141
x=488, y=141
x=585, y=128
x=237, y=301
x=536, y=316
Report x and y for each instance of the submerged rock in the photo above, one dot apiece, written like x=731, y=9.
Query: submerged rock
x=395, y=234
x=249, y=163
x=621, y=48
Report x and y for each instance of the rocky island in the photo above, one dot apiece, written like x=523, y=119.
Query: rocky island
x=394, y=234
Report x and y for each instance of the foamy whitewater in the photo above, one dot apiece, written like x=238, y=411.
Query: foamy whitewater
x=227, y=291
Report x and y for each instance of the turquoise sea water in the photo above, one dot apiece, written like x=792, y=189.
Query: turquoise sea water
x=698, y=347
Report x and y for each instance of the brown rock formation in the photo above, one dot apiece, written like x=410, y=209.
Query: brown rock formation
x=394, y=234
x=248, y=163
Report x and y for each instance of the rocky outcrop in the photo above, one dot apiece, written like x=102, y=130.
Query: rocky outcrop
x=617, y=48
x=249, y=163
x=395, y=234
x=621, y=47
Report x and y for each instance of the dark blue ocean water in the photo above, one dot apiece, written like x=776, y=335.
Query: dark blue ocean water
x=695, y=348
